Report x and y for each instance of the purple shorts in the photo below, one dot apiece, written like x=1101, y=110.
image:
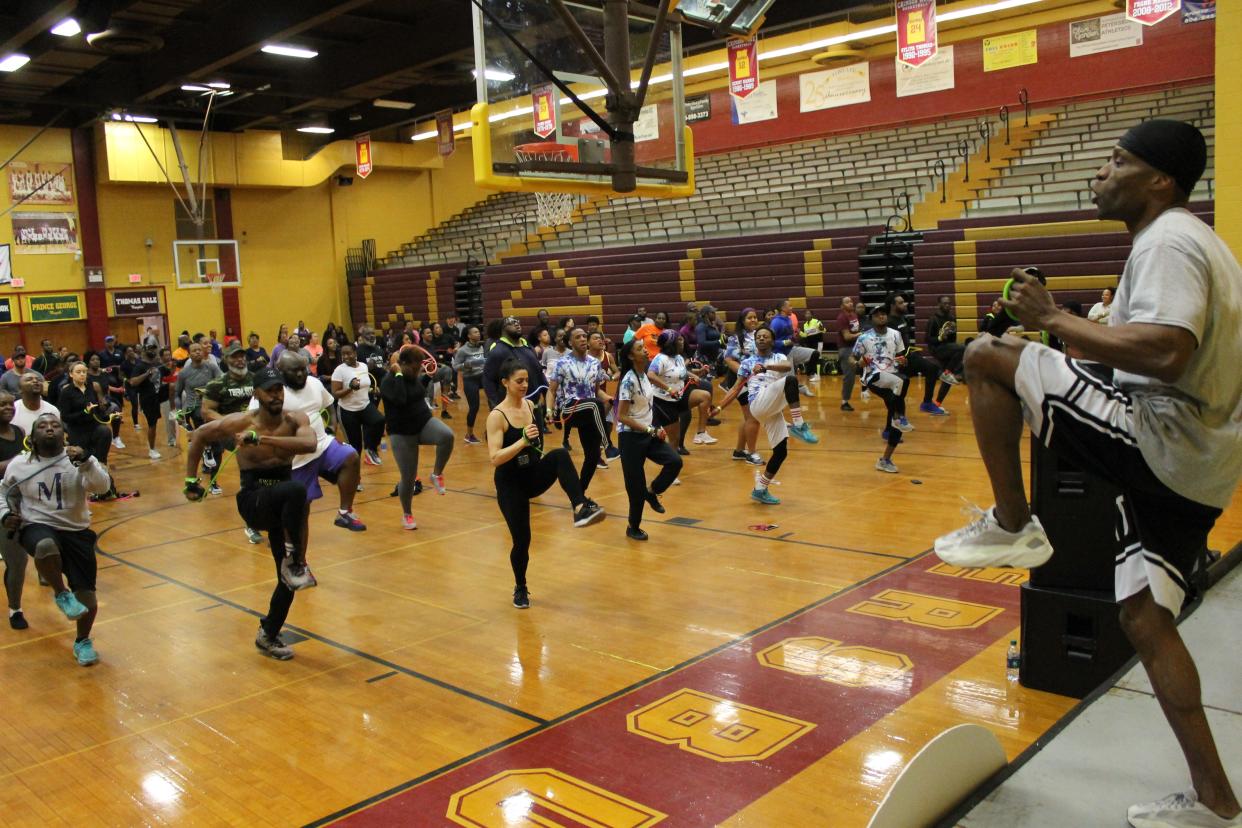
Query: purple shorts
x=327, y=465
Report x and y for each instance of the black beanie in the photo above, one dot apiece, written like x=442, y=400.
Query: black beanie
x=1172, y=147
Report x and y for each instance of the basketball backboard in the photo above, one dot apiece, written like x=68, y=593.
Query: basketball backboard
x=534, y=57
x=726, y=17
x=195, y=259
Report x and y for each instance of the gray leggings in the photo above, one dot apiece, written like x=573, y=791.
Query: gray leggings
x=14, y=568
x=405, y=452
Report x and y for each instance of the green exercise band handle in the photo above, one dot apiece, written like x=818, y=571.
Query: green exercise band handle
x=1030, y=271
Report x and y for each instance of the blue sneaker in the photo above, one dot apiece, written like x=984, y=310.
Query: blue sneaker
x=84, y=652
x=764, y=496
x=933, y=409
x=70, y=605
x=803, y=432
x=902, y=424
x=885, y=466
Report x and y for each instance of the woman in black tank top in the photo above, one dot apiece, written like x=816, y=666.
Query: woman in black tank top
x=524, y=471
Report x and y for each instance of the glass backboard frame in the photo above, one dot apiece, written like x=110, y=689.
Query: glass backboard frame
x=747, y=15
x=192, y=266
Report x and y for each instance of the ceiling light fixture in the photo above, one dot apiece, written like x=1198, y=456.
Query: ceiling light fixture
x=289, y=51
x=386, y=103
x=317, y=130
x=219, y=85
x=497, y=75
x=13, y=62
x=193, y=87
x=134, y=119
x=67, y=28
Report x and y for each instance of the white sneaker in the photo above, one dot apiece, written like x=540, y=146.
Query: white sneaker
x=676, y=481
x=704, y=439
x=984, y=543
x=1179, y=810
x=813, y=378
x=804, y=391
x=865, y=395
x=153, y=454
x=117, y=444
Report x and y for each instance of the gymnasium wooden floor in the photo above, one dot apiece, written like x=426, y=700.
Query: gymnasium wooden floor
x=715, y=675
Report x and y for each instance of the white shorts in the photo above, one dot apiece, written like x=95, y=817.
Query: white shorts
x=1090, y=422
x=768, y=407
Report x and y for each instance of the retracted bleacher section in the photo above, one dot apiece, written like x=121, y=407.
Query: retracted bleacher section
x=392, y=297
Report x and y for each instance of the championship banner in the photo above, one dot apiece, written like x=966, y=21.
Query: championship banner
x=916, y=31
x=1151, y=12
x=444, y=132
x=40, y=183
x=44, y=233
x=362, y=156
x=743, y=67
x=544, y=108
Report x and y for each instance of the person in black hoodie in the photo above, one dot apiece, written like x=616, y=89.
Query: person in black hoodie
x=87, y=417
x=511, y=345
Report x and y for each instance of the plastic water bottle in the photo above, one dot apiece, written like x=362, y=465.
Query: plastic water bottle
x=1013, y=661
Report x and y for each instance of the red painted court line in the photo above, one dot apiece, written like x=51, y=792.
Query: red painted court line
x=691, y=789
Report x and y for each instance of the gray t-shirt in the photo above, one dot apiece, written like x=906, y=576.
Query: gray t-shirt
x=1180, y=273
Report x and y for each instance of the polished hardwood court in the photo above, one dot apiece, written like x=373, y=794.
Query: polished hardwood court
x=717, y=674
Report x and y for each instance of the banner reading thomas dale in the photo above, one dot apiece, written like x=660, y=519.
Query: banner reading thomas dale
x=743, y=67
x=40, y=183
x=916, y=31
x=44, y=233
x=1151, y=12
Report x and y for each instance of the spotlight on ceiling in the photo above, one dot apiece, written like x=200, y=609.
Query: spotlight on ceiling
x=13, y=62
x=69, y=27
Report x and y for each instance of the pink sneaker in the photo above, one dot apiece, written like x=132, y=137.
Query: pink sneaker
x=407, y=522
x=437, y=480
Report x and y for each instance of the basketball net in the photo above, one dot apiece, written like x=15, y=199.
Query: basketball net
x=216, y=282
x=551, y=209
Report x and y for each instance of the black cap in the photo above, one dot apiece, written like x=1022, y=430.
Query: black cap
x=232, y=348
x=1175, y=148
x=268, y=378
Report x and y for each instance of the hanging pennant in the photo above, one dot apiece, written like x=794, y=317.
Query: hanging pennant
x=362, y=156
x=916, y=31
x=743, y=67
x=543, y=105
x=444, y=132
x=1151, y=12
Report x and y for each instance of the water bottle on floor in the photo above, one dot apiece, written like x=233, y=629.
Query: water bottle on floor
x=1013, y=660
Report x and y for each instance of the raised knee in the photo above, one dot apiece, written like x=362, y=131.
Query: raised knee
x=46, y=548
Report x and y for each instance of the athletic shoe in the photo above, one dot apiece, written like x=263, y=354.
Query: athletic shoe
x=84, y=652
x=740, y=455
x=209, y=460
x=1176, y=811
x=471, y=440
x=902, y=425
x=865, y=395
x=407, y=522
x=949, y=378
x=885, y=465
x=803, y=432
x=601, y=464
x=348, y=520
x=676, y=481
x=172, y=443
x=764, y=496
x=454, y=396
x=589, y=512
x=846, y=407
x=254, y=536
x=683, y=451
x=713, y=421
x=70, y=605
x=754, y=459
x=804, y=391
x=18, y=621
x=215, y=489
x=272, y=647
x=372, y=458
x=437, y=480
x=521, y=597
x=612, y=452
x=983, y=542
x=636, y=534
x=154, y=454
x=704, y=439
x=358, y=488
x=653, y=500
x=933, y=409
x=137, y=426
x=118, y=443
x=444, y=415
x=296, y=575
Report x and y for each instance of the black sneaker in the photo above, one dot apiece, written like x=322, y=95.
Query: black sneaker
x=741, y=455
x=272, y=647
x=521, y=597
x=846, y=407
x=683, y=451
x=713, y=421
x=589, y=512
x=653, y=500
x=635, y=534
x=454, y=396
x=18, y=621
x=444, y=415
x=612, y=452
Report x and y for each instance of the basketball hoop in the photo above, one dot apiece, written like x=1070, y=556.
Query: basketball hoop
x=215, y=281
x=551, y=209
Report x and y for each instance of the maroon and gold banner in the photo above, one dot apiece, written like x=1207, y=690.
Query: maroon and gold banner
x=1151, y=12
x=444, y=132
x=362, y=156
x=743, y=67
x=543, y=103
x=916, y=31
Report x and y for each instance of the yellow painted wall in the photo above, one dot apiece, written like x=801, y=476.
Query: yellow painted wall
x=1229, y=125
x=453, y=188
x=384, y=207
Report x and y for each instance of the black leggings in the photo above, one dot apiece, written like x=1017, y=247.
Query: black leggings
x=363, y=429
x=950, y=355
x=637, y=448
x=96, y=439
x=471, y=386
x=779, y=453
x=895, y=404
x=930, y=370
x=278, y=507
x=588, y=419
x=514, y=493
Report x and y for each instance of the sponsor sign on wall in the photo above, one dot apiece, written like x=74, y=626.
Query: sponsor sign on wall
x=1103, y=34
x=647, y=127
x=1196, y=11
x=1009, y=50
x=698, y=108
x=916, y=31
x=760, y=105
x=835, y=87
x=44, y=232
x=743, y=67
x=935, y=75
x=54, y=307
x=135, y=302
x=39, y=183
x=6, y=310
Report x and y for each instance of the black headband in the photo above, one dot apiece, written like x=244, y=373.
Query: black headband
x=1175, y=148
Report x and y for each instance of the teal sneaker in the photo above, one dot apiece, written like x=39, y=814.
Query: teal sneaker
x=70, y=605
x=84, y=652
x=803, y=432
x=764, y=496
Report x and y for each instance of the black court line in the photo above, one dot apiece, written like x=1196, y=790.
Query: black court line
x=677, y=522
x=200, y=609
x=381, y=676
x=107, y=566
x=153, y=586
x=782, y=537
x=564, y=717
